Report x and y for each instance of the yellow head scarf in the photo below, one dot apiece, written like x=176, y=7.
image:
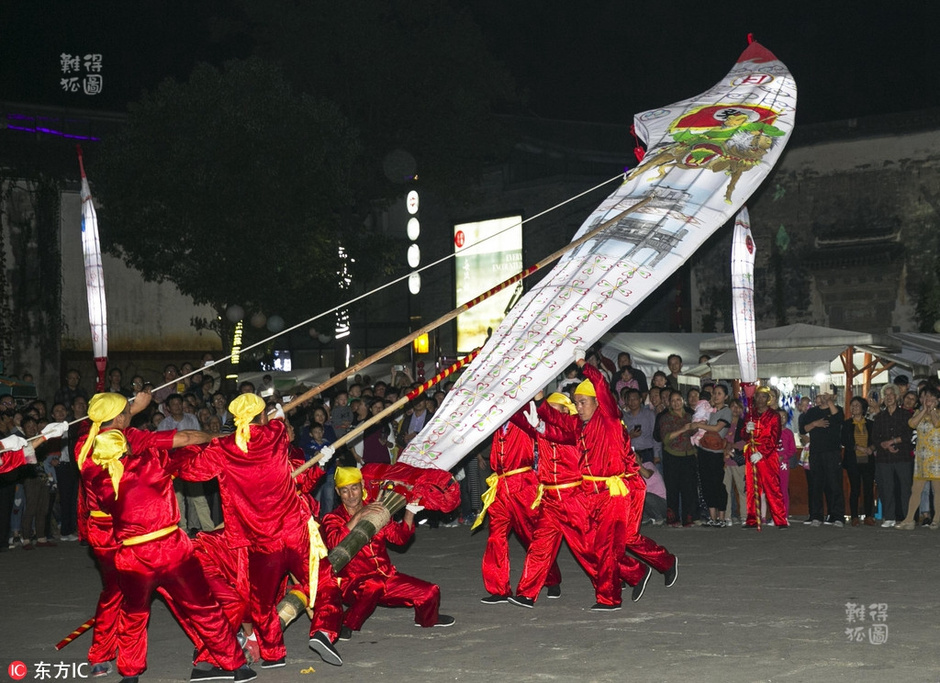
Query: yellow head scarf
x=563, y=401
x=764, y=390
x=346, y=476
x=243, y=410
x=109, y=447
x=586, y=389
x=101, y=408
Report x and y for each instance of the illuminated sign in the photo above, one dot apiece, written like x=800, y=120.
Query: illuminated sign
x=480, y=266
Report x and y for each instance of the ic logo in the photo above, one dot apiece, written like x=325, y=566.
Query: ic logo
x=17, y=671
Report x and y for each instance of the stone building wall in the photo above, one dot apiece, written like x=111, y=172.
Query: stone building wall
x=846, y=231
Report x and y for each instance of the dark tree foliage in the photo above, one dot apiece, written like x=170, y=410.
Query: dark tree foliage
x=237, y=189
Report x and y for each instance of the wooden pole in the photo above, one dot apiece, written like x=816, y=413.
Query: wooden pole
x=400, y=403
x=75, y=634
x=462, y=309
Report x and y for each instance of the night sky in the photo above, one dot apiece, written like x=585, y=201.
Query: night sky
x=601, y=60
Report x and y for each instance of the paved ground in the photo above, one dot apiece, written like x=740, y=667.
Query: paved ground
x=748, y=606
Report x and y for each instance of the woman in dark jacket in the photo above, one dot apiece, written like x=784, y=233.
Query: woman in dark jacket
x=857, y=460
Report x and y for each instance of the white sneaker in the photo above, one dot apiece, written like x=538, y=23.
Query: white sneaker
x=816, y=522
x=838, y=524
x=887, y=524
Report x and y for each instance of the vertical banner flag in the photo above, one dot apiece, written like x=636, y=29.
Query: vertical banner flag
x=742, y=297
x=705, y=157
x=94, y=279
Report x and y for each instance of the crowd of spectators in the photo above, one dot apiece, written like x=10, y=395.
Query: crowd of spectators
x=689, y=440
x=38, y=503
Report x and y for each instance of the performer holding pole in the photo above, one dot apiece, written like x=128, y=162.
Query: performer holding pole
x=370, y=579
x=615, y=492
x=762, y=462
x=264, y=512
x=513, y=487
x=136, y=490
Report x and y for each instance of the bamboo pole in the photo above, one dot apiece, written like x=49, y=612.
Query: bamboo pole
x=400, y=403
x=462, y=309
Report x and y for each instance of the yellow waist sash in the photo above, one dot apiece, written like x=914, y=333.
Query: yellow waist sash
x=615, y=485
x=490, y=494
x=152, y=536
x=98, y=513
x=552, y=487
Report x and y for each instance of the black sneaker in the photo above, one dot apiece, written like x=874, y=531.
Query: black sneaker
x=245, y=674
x=640, y=588
x=210, y=673
x=521, y=601
x=345, y=633
x=320, y=643
x=445, y=620
x=494, y=599
x=554, y=592
x=274, y=663
x=598, y=607
x=131, y=679
x=672, y=573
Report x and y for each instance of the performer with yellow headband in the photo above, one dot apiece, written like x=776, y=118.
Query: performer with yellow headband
x=761, y=455
x=127, y=477
x=265, y=513
x=560, y=503
x=370, y=579
x=508, y=502
x=614, y=490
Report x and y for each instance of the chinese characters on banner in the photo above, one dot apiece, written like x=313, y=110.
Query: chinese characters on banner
x=88, y=78
x=875, y=618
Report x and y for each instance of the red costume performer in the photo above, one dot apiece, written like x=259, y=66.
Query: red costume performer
x=153, y=551
x=266, y=514
x=513, y=487
x=370, y=579
x=615, y=491
x=764, y=474
x=561, y=506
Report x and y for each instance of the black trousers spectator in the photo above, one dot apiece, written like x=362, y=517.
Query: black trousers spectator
x=711, y=472
x=861, y=481
x=894, y=487
x=67, y=477
x=827, y=481
x=7, y=493
x=681, y=479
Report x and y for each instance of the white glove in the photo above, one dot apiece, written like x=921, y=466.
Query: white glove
x=579, y=353
x=14, y=443
x=55, y=430
x=531, y=415
x=325, y=454
x=278, y=412
x=414, y=508
x=29, y=455
x=750, y=427
x=756, y=458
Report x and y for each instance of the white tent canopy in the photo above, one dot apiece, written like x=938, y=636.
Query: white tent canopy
x=806, y=353
x=649, y=351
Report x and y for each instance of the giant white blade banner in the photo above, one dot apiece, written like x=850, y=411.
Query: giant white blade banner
x=706, y=155
x=94, y=279
x=742, y=297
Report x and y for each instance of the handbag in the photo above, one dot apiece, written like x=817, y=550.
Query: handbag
x=712, y=441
